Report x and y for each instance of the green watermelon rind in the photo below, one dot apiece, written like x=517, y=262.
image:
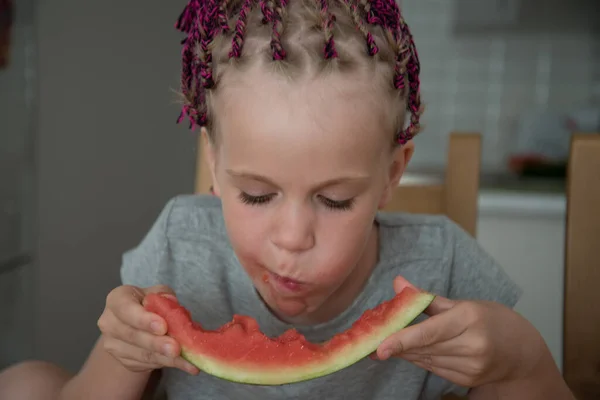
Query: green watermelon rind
x=336, y=361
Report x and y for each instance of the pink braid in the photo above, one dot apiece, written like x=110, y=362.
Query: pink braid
x=202, y=20
x=237, y=42
x=387, y=14
x=328, y=19
x=279, y=52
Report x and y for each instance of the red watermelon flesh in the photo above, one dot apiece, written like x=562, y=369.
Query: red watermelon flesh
x=238, y=351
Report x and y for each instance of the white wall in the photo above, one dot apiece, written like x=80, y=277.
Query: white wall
x=17, y=126
x=110, y=154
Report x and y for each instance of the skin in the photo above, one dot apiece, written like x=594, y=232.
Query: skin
x=297, y=144
x=300, y=156
x=482, y=345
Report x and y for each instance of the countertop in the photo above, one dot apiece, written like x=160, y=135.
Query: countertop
x=507, y=194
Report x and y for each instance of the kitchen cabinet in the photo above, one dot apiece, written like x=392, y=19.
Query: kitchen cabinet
x=525, y=233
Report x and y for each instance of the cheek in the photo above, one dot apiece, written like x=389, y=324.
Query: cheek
x=244, y=228
x=342, y=242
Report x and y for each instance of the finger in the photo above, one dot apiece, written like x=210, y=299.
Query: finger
x=135, y=366
x=125, y=303
x=134, y=354
x=448, y=374
x=471, y=369
x=437, y=329
x=159, y=289
x=114, y=329
x=453, y=363
x=185, y=366
x=145, y=340
x=178, y=363
x=439, y=304
x=400, y=283
x=446, y=348
x=127, y=351
x=461, y=346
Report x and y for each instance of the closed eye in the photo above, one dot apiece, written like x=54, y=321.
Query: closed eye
x=336, y=205
x=255, y=200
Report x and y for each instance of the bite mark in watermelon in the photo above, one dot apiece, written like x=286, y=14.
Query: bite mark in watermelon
x=238, y=351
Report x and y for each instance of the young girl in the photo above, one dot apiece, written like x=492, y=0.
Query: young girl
x=303, y=104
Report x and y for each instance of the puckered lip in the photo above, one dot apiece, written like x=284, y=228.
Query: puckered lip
x=283, y=285
x=286, y=278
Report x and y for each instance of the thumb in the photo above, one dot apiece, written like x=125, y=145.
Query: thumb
x=160, y=328
x=436, y=329
x=163, y=290
x=159, y=289
x=439, y=304
x=412, y=337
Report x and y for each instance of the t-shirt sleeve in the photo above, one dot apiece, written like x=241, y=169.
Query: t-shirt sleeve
x=473, y=275
x=147, y=264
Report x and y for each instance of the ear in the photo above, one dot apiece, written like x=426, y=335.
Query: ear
x=210, y=157
x=399, y=160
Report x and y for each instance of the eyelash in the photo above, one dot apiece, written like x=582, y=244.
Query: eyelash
x=343, y=205
x=255, y=200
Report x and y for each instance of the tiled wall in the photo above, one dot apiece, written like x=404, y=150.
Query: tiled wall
x=484, y=79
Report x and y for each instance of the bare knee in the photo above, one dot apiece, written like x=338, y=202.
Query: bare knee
x=32, y=380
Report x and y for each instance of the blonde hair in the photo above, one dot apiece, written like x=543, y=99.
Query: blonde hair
x=298, y=38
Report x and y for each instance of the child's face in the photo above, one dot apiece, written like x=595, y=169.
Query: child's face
x=302, y=168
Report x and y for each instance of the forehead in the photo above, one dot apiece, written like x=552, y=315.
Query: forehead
x=329, y=122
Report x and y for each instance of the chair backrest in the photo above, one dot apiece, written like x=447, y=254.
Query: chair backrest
x=455, y=197
x=581, y=344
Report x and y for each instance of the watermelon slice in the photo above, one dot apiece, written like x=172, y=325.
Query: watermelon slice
x=238, y=351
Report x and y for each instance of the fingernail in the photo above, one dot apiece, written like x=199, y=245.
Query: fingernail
x=168, y=350
x=169, y=296
x=191, y=369
x=156, y=326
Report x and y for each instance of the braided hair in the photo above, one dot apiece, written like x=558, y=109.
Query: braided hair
x=209, y=24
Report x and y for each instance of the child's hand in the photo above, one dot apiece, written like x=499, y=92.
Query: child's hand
x=467, y=342
x=136, y=337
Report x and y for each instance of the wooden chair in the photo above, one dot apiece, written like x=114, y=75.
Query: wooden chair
x=456, y=197
x=581, y=330
x=581, y=318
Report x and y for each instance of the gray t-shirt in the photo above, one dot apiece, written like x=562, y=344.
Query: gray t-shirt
x=188, y=249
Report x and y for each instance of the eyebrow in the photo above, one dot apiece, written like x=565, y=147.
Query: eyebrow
x=264, y=179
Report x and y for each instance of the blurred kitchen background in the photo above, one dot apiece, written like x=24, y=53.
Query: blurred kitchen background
x=89, y=149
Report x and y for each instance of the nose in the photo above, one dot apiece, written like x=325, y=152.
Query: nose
x=293, y=230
